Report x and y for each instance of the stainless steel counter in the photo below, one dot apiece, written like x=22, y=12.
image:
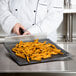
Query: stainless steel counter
x=8, y=65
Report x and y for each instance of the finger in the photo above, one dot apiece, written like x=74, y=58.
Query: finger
x=26, y=33
x=17, y=31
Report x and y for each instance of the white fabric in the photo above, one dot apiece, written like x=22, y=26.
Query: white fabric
x=49, y=15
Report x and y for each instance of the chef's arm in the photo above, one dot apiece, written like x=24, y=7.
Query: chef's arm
x=53, y=19
x=7, y=20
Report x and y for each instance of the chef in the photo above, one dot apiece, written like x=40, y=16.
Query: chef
x=31, y=16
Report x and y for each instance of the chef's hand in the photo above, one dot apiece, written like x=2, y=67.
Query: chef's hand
x=16, y=29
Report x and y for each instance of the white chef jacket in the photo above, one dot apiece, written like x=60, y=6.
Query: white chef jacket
x=37, y=16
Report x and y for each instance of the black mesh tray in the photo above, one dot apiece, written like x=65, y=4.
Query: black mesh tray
x=21, y=61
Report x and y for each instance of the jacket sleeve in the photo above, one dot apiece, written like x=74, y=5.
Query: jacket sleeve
x=52, y=20
x=7, y=20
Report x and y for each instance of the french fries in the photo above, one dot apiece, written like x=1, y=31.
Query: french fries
x=35, y=50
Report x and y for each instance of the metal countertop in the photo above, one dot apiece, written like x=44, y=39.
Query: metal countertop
x=8, y=65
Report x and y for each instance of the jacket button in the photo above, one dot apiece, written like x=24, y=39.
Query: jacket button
x=16, y=9
x=33, y=24
x=34, y=10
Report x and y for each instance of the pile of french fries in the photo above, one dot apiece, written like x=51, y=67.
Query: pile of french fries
x=35, y=50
